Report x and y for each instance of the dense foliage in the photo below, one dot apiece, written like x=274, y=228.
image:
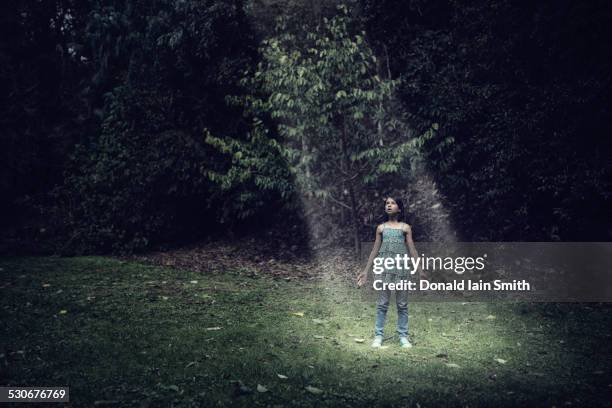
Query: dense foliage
x=523, y=93
x=334, y=113
x=143, y=177
x=126, y=124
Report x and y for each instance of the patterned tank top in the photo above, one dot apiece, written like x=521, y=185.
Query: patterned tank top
x=393, y=243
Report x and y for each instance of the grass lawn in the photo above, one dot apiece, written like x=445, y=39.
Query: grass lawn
x=128, y=334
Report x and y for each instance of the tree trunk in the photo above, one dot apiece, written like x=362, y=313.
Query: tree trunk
x=355, y=217
x=351, y=190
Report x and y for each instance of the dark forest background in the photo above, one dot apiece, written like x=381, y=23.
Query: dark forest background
x=121, y=126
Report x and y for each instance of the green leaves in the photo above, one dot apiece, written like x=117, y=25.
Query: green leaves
x=323, y=100
x=151, y=80
x=256, y=164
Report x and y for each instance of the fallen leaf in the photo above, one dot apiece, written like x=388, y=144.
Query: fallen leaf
x=261, y=388
x=63, y=311
x=314, y=390
x=282, y=377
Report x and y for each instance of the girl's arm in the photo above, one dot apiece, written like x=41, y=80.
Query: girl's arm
x=412, y=249
x=363, y=276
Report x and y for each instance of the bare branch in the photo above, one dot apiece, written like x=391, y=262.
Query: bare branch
x=338, y=201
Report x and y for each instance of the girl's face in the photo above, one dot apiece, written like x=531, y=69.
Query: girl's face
x=391, y=206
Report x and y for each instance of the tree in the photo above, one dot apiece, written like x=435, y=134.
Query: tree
x=522, y=91
x=339, y=126
x=162, y=70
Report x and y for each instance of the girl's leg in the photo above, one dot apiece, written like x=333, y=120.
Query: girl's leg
x=401, y=298
x=381, y=311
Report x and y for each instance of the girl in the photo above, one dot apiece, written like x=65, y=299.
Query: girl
x=392, y=237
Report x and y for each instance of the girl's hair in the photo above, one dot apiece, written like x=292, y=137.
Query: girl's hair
x=400, y=204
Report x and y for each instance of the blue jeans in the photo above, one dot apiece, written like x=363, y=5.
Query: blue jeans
x=382, y=305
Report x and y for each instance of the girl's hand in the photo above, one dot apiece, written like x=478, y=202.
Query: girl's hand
x=361, y=279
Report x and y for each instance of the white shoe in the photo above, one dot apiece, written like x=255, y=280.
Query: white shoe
x=404, y=343
x=377, y=341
